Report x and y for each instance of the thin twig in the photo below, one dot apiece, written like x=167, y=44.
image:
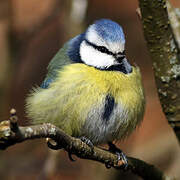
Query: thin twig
x=9, y=137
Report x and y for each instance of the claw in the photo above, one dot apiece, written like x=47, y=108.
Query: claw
x=120, y=154
x=52, y=144
x=70, y=157
x=85, y=140
x=123, y=158
x=108, y=166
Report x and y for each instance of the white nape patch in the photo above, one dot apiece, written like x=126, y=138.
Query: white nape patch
x=93, y=37
x=115, y=47
x=93, y=57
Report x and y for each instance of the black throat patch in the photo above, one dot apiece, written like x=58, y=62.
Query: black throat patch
x=108, y=107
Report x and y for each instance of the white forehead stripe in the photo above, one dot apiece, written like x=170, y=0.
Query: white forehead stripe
x=93, y=37
x=93, y=57
x=115, y=47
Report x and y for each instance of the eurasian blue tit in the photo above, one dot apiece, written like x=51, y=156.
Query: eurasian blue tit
x=91, y=90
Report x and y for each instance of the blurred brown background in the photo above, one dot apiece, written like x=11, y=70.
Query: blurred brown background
x=31, y=32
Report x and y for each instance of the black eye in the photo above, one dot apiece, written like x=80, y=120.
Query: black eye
x=102, y=49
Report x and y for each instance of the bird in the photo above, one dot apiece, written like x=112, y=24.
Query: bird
x=91, y=90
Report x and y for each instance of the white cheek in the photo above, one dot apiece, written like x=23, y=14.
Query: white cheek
x=93, y=57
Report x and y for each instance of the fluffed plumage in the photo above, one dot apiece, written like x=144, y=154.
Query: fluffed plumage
x=101, y=101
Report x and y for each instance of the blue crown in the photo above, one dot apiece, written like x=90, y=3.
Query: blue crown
x=109, y=30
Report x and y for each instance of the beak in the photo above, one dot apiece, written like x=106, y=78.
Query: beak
x=120, y=57
x=122, y=61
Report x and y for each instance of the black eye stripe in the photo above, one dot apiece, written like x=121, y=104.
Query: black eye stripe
x=105, y=50
x=99, y=48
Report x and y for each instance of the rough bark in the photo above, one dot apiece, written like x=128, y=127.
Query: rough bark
x=164, y=53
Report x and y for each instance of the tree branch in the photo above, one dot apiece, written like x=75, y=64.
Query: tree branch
x=11, y=133
x=164, y=53
x=174, y=21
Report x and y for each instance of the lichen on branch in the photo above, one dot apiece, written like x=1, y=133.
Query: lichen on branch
x=164, y=53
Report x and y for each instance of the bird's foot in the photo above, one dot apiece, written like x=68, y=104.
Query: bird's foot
x=87, y=141
x=121, y=156
x=55, y=146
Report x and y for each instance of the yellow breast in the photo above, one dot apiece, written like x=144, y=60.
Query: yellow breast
x=127, y=87
x=79, y=89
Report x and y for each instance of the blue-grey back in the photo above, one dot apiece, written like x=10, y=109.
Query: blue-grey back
x=68, y=54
